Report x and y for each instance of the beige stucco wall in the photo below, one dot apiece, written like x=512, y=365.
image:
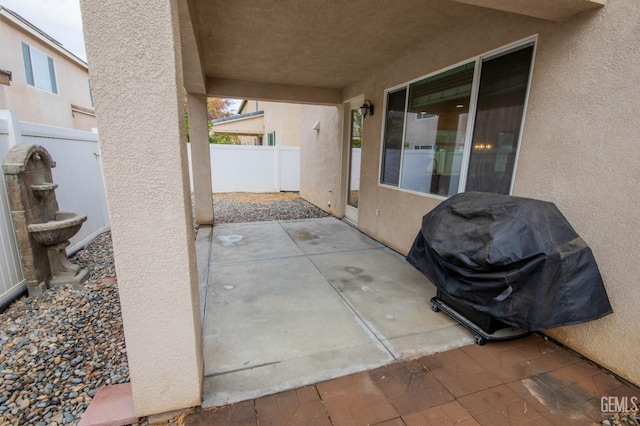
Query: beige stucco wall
x=579, y=150
x=284, y=119
x=321, y=157
x=251, y=105
x=36, y=105
x=279, y=117
x=82, y=121
x=143, y=143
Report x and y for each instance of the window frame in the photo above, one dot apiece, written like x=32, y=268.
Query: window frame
x=51, y=69
x=271, y=138
x=473, y=103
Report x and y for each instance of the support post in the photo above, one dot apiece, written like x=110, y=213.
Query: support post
x=136, y=73
x=200, y=158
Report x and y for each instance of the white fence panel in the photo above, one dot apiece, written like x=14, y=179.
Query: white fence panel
x=237, y=168
x=289, y=168
x=78, y=173
x=242, y=168
x=11, y=277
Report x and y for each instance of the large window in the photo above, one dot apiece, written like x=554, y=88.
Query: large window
x=39, y=69
x=427, y=144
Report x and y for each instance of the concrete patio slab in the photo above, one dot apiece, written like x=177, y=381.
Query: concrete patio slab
x=203, y=243
x=266, y=312
x=292, y=373
x=327, y=235
x=241, y=242
x=203, y=251
x=392, y=297
x=292, y=303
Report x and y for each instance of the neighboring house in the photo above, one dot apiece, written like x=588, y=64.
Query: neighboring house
x=248, y=127
x=39, y=79
x=263, y=123
x=533, y=98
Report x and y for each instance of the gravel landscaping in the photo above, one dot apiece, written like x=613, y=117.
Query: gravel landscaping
x=57, y=350
x=248, y=207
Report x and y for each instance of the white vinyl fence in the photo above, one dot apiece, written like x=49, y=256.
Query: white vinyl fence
x=78, y=173
x=11, y=277
x=242, y=168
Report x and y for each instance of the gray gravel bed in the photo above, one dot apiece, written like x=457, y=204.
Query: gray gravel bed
x=227, y=209
x=97, y=257
x=57, y=350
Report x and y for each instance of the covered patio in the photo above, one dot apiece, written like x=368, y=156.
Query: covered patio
x=332, y=54
x=292, y=303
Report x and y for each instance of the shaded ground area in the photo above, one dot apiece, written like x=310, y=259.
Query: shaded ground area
x=253, y=207
x=528, y=381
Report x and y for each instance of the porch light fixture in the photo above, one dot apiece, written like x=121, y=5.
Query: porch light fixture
x=366, y=108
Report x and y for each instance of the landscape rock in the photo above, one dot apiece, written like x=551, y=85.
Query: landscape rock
x=249, y=207
x=58, y=349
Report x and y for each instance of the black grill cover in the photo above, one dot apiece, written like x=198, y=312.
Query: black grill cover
x=515, y=259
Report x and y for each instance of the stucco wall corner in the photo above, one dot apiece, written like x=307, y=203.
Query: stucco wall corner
x=142, y=137
x=321, y=152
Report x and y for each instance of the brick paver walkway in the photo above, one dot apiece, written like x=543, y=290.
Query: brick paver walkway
x=531, y=381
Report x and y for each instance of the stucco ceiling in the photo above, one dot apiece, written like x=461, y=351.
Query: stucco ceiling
x=322, y=44
x=315, y=44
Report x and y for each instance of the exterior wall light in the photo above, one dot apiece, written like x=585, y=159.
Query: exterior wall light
x=366, y=108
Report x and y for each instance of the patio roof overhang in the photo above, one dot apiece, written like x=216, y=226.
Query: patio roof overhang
x=309, y=52
x=551, y=10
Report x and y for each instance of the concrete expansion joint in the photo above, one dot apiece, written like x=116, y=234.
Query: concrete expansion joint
x=231, y=262
x=347, y=251
x=222, y=373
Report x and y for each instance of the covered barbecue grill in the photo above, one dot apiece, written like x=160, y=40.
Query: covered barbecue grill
x=509, y=261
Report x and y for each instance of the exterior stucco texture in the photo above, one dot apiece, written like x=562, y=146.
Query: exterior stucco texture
x=136, y=70
x=578, y=150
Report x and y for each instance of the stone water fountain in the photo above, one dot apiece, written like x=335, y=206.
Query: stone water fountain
x=42, y=231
